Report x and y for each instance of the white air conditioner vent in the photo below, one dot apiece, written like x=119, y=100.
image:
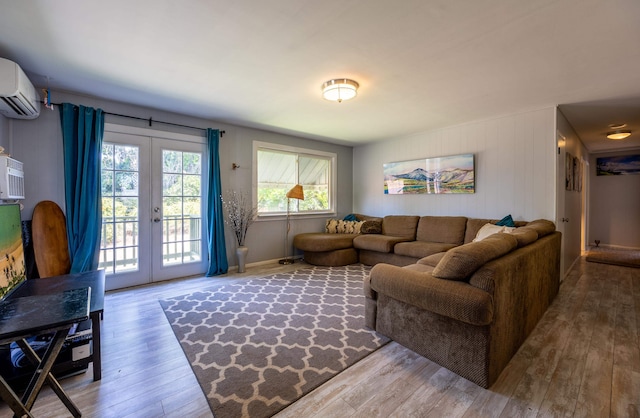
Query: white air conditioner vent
x=11, y=179
x=18, y=98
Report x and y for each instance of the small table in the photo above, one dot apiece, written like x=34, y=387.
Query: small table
x=93, y=279
x=33, y=315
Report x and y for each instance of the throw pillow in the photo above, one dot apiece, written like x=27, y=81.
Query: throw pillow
x=371, y=227
x=350, y=217
x=506, y=221
x=331, y=226
x=487, y=230
x=461, y=262
x=339, y=226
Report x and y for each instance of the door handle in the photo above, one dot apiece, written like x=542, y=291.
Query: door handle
x=156, y=220
x=565, y=219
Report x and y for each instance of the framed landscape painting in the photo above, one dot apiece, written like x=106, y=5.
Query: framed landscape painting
x=453, y=174
x=617, y=166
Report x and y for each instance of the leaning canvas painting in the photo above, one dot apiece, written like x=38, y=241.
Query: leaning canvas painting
x=452, y=174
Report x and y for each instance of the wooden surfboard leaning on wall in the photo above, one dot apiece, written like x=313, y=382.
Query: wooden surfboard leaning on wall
x=50, y=242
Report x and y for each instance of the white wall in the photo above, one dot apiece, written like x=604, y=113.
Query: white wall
x=515, y=169
x=38, y=144
x=614, y=206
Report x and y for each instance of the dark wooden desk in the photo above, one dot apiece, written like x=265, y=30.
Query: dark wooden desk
x=92, y=279
x=32, y=315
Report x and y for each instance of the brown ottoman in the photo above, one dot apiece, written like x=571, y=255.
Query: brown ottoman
x=323, y=249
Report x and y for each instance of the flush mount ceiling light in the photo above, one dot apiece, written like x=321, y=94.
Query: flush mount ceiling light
x=618, y=134
x=339, y=89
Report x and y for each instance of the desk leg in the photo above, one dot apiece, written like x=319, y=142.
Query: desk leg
x=13, y=400
x=97, y=354
x=43, y=372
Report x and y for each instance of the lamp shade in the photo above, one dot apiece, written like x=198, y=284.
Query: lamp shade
x=339, y=89
x=296, y=192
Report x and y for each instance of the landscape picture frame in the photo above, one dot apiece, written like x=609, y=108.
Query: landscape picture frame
x=452, y=174
x=618, y=165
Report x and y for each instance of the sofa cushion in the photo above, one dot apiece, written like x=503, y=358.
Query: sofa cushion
x=361, y=217
x=444, y=229
x=525, y=236
x=431, y=260
x=377, y=242
x=542, y=227
x=455, y=300
x=400, y=226
x=320, y=241
x=422, y=268
x=340, y=226
x=420, y=249
x=371, y=227
x=461, y=262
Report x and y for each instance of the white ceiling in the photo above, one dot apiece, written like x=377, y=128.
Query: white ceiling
x=421, y=64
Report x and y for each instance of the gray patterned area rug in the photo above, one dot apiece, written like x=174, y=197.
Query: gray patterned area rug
x=257, y=345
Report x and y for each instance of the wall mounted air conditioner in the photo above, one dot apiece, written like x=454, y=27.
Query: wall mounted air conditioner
x=11, y=179
x=18, y=97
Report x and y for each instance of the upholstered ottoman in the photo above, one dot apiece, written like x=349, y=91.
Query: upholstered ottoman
x=322, y=249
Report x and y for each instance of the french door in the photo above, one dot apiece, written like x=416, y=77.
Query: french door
x=153, y=226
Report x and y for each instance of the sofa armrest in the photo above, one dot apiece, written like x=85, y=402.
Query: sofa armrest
x=457, y=300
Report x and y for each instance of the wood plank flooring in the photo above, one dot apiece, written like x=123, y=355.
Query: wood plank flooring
x=582, y=360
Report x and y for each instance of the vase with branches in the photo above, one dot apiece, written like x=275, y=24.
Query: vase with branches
x=240, y=215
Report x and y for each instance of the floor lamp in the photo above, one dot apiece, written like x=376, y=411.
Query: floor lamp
x=296, y=192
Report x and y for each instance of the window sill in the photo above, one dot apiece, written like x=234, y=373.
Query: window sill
x=278, y=216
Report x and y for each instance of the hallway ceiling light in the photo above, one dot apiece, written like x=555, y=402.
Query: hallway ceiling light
x=339, y=89
x=618, y=134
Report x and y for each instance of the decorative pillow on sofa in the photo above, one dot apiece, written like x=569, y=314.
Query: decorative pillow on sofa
x=487, y=230
x=371, y=227
x=461, y=262
x=350, y=217
x=506, y=221
x=339, y=226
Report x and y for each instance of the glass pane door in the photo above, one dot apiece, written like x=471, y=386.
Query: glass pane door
x=124, y=245
x=181, y=204
x=120, y=201
x=178, y=225
x=152, y=206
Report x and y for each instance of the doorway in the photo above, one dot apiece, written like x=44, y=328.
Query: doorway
x=572, y=191
x=153, y=227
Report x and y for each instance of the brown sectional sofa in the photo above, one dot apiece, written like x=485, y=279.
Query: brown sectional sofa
x=400, y=240
x=465, y=305
x=471, y=308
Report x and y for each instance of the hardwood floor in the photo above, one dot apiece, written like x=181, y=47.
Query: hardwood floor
x=582, y=360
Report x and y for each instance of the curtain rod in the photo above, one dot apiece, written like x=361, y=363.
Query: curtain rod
x=150, y=120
